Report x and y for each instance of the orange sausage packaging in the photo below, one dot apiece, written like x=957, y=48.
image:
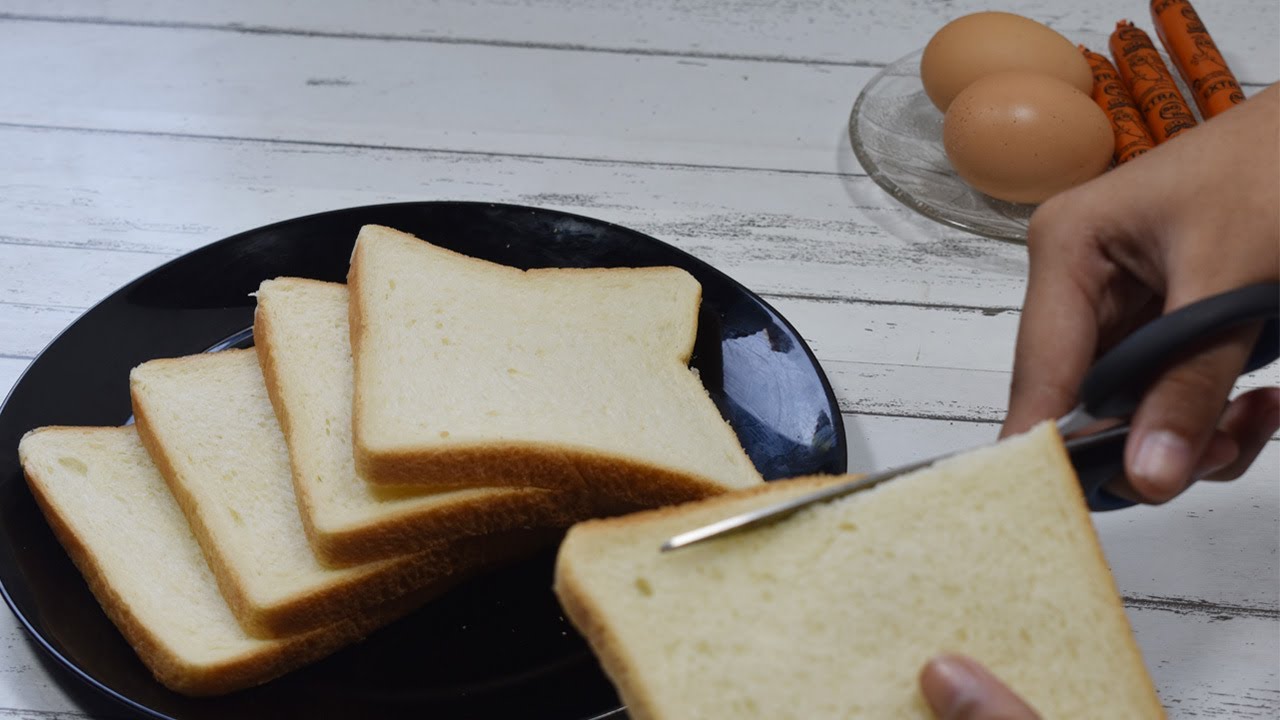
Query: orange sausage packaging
x=1149, y=80
x=1132, y=136
x=1196, y=56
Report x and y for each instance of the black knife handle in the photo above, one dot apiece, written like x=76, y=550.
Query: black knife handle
x=1099, y=459
x=1115, y=384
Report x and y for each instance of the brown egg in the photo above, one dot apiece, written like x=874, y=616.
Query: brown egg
x=970, y=47
x=1023, y=137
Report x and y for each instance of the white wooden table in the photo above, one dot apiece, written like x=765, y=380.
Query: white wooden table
x=132, y=131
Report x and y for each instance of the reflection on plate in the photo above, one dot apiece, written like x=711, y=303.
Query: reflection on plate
x=896, y=133
x=496, y=647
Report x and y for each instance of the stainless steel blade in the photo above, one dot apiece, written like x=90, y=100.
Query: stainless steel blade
x=1073, y=420
x=777, y=511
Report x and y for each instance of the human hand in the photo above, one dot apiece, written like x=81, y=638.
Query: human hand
x=958, y=688
x=1196, y=216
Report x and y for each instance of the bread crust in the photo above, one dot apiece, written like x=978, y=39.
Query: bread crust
x=529, y=464
x=353, y=593
x=356, y=321
x=404, y=530
x=228, y=581
x=269, y=660
x=1101, y=575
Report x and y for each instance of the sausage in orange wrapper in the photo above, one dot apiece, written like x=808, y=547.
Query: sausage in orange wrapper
x=1132, y=136
x=1148, y=78
x=1196, y=56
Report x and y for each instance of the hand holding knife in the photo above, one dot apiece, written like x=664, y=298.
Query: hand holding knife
x=1111, y=390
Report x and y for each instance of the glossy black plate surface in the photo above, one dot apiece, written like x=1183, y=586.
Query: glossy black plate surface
x=496, y=647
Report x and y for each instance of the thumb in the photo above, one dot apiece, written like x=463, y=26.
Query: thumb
x=1174, y=424
x=958, y=688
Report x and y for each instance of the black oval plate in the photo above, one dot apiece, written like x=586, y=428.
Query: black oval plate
x=496, y=647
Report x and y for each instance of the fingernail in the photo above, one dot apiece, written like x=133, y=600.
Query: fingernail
x=961, y=688
x=1163, y=460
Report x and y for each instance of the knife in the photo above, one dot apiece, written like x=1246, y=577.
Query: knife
x=1111, y=390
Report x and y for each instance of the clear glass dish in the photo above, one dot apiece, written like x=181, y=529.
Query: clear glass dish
x=896, y=134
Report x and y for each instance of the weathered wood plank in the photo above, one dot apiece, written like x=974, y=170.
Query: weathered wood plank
x=33, y=686
x=50, y=280
x=17, y=714
x=11, y=368
x=781, y=233
x=807, y=31
x=1186, y=655
x=459, y=97
x=942, y=393
x=427, y=95
x=26, y=329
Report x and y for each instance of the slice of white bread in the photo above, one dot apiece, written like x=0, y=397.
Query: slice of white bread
x=833, y=612
x=472, y=373
x=208, y=424
x=111, y=510
x=301, y=335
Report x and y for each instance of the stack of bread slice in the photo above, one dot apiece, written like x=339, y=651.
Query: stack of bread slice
x=382, y=442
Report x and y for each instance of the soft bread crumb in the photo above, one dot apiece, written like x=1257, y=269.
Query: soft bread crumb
x=590, y=366
x=303, y=346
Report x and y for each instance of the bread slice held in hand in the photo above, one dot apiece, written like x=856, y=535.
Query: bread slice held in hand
x=208, y=424
x=301, y=335
x=834, y=611
x=470, y=373
x=111, y=510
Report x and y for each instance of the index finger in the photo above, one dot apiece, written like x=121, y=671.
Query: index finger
x=1058, y=330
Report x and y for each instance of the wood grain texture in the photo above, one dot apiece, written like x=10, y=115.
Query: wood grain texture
x=799, y=31
x=730, y=113
x=10, y=370
x=839, y=238
x=33, y=686
x=18, y=714
x=715, y=126
x=1188, y=669
x=424, y=95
